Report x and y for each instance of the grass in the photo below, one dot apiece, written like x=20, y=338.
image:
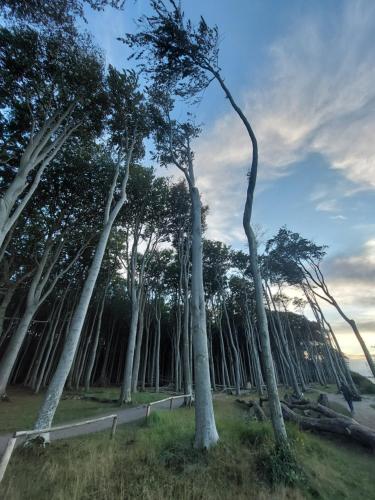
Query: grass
x=328, y=388
x=14, y=417
x=363, y=383
x=157, y=461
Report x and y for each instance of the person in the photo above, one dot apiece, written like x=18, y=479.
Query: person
x=348, y=397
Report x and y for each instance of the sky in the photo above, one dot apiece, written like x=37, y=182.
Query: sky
x=304, y=73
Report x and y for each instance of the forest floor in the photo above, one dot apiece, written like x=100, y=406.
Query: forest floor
x=156, y=460
x=21, y=411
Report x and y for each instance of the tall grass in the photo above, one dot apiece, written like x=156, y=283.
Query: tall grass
x=156, y=460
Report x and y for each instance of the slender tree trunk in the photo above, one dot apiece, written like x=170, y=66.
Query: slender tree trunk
x=125, y=396
x=14, y=346
x=157, y=354
x=137, y=356
x=235, y=352
x=185, y=335
x=4, y=305
x=94, y=345
x=205, y=427
x=55, y=389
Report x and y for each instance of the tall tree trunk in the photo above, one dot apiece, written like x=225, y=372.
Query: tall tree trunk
x=125, y=396
x=157, y=354
x=137, y=356
x=205, y=427
x=94, y=345
x=185, y=335
x=55, y=389
x=273, y=396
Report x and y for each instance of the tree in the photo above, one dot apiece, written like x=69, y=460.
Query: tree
x=51, y=91
x=174, y=147
x=56, y=13
x=298, y=260
x=127, y=126
x=146, y=221
x=186, y=57
x=54, y=230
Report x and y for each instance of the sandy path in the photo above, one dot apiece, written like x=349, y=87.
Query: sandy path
x=124, y=416
x=363, y=412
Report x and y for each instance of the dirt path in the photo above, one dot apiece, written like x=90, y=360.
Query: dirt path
x=124, y=416
x=363, y=412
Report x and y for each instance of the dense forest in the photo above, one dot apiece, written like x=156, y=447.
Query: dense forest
x=107, y=275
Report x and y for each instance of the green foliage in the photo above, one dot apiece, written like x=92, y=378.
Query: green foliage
x=59, y=12
x=279, y=466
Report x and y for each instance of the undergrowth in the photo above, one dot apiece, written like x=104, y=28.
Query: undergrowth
x=157, y=460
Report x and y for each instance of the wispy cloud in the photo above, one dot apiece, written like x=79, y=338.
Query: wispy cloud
x=317, y=96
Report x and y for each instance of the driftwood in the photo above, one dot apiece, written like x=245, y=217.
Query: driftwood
x=259, y=413
x=328, y=421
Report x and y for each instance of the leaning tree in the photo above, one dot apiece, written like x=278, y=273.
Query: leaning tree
x=179, y=55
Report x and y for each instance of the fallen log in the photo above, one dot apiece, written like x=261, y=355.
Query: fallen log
x=259, y=413
x=332, y=422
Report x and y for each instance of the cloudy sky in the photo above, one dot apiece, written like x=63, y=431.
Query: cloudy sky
x=304, y=72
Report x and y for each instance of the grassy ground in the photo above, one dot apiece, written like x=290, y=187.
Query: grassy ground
x=157, y=461
x=364, y=384
x=20, y=413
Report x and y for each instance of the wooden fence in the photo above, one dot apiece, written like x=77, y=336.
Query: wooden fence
x=12, y=441
x=171, y=398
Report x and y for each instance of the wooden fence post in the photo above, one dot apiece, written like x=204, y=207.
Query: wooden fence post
x=171, y=404
x=6, y=457
x=114, y=426
x=148, y=411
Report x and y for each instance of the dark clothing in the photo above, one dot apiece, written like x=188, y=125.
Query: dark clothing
x=350, y=404
x=348, y=396
x=346, y=393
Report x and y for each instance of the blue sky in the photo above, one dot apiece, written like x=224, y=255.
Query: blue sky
x=304, y=72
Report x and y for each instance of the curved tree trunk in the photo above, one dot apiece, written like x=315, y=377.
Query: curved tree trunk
x=56, y=387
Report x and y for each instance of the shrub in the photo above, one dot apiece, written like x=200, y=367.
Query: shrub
x=278, y=465
x=364, y=384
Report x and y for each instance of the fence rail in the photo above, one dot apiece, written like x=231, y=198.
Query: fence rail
x=12, y=441
x=171, y=398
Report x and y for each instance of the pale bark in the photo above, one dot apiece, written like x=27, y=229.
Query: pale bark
x=205, y=427
x=137, y=355
x=94, y=345
x=275, y=407
x=35, y=297
x=125, y=396
x=38, y=154
x=319, y=281
x=55, y=389
x=157, y=354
